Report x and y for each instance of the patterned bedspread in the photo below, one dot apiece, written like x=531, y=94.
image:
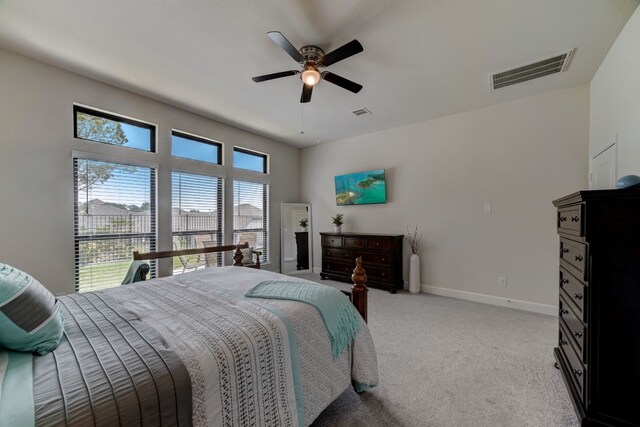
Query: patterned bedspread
x=211, y=356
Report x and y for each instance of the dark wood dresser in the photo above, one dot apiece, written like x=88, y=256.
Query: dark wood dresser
x=302, y=250
x=381, y=258
x=599, y=325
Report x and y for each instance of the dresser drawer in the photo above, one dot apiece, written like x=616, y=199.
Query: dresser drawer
x=339, y=267
x=575, y=292
x=373, y=258
x=375, y=273
x=353, y=242
x=576, y=368
x=378, y=243
x=332, y=241
x=574, y=253
x=338, y=253
x=563, y=338
x=575, y=328
x=570, y=220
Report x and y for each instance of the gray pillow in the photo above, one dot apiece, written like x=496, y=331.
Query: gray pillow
x=30, y=316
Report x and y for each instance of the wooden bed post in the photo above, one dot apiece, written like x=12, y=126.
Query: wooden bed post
x=359, y=289
x=237, y=256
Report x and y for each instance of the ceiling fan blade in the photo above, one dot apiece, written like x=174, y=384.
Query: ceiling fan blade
x=341, y=53
x=306, y=93
x=342, y=82
x=285, y=44
x=265, y=77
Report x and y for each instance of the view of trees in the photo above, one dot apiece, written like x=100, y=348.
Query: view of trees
x=101, y=130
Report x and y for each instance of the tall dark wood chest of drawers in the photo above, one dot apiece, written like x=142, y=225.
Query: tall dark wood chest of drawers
x=599, y=325
x=381, y=258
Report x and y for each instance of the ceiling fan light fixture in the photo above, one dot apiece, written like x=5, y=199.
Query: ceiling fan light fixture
x=310, y=76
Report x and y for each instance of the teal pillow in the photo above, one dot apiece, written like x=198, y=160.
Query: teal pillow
x=30, y=317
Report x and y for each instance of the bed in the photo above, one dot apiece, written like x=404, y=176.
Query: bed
x=185, y=350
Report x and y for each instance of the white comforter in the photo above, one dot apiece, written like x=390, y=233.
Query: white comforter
x=321, y=378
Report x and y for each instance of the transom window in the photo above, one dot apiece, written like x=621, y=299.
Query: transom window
x=97, y=126
x=249, y=160
x=195, y=148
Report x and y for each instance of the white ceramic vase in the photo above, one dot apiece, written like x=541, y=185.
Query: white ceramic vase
x=414, y=274
x=338, y=229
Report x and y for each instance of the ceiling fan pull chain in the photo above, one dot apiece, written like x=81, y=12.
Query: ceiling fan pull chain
x=301, y=119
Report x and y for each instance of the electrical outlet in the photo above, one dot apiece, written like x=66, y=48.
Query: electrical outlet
x=502, y=281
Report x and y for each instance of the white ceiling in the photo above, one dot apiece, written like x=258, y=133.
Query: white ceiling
x=422, y=59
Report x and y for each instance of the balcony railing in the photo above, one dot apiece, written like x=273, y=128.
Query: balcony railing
x=138, y=223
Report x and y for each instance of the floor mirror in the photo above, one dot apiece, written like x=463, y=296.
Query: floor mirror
x=295, y=238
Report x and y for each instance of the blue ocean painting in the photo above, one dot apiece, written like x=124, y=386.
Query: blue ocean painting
x=361, y=188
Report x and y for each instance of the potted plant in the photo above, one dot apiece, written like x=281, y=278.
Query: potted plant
x=414, y=261
x=304, y=222
x=337, y=221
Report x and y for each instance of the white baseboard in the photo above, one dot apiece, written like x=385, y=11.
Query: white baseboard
x=534, y=307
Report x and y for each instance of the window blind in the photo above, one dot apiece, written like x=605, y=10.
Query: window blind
x=196, y=218
x=250, y=215
x=115, y=214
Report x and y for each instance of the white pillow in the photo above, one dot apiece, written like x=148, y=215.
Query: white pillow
x=247, y=255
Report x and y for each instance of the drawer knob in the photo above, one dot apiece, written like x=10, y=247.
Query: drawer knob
x=577, y=296
x=377, y=243
x=383, y=260
x=564, y=281
x=565, y=250
x=579, y=258
x=577, y=334
x=577, y=372
x=563, y=342
x=563, y=311
x=563, y=218
x=575, y=219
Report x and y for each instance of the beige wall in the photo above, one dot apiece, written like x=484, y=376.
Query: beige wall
x=615, y=100
x=36, y=176
x=516, y=156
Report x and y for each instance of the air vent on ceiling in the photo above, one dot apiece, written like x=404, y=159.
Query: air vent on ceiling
x=544, y=67
x=361, y=112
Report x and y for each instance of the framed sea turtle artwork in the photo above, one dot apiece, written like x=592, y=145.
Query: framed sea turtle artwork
x=361, y=188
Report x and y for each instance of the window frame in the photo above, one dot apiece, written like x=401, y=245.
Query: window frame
x=201, y=139
x=266, y=218
x=116, y=118
x=153, y=193
x=221, y=210
x=265, y=159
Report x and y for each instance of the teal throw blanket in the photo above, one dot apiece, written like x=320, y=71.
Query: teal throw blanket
x=340, y=317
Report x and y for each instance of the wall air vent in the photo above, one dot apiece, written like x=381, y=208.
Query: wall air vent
x=361, y=112
x=544, y=67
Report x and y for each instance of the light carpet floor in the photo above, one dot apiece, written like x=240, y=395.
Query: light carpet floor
x=448, y=362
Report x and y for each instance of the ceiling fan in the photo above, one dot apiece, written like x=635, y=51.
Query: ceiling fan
x=311, y=58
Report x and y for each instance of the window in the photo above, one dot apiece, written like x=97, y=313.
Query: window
x=250, y=215
x=196, y=218
x=195, y=148
x=115, y=214
x=249, y=160
x=107, y=128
